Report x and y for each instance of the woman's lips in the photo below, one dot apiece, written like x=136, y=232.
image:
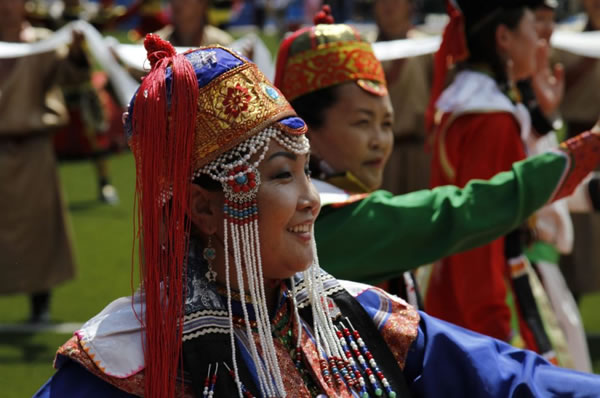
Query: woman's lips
x=374, y=163
x=302, y=231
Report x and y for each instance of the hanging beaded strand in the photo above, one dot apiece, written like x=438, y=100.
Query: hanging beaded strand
x=240, y=207
x=298, y=353
x=351, y=373
x=323, y=325
x=206, y=382
x=213, y=382
x=242, y=387
x=370, y=365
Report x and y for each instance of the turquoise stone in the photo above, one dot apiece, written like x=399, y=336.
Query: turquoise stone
x=210, y=253
x=392, y=394
x=271, y=92
x=241, y=180
x=379, y=392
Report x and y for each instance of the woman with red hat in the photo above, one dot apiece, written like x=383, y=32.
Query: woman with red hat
x=481, y=128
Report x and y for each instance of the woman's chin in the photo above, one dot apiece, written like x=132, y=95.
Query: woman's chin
x=296, y=269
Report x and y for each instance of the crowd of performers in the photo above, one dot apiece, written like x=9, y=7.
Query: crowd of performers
x=273, y=262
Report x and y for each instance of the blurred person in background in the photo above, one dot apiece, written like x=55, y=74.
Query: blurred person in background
x=552, y=227
x=93, y=128
x=581, y=101
x=34, y=235
x=189, y=25
x=409, y=84
x=482, y=128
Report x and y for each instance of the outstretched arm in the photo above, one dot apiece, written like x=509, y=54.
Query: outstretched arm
x=404, y=232
x=448, y=361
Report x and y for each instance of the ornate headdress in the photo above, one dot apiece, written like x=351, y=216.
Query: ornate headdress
x=325, y=55
x=208, y=112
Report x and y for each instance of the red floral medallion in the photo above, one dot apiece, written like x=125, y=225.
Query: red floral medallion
x=236, y=101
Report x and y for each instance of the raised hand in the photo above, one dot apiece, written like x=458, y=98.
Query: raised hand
x=548, y=83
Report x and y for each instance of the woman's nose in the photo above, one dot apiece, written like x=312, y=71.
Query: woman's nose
x=310, y=200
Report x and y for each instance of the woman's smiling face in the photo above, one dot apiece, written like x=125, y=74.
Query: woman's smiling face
x=356, y=135
x=288, y=204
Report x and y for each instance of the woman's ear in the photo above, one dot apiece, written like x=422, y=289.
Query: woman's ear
x=206, y=209
x=503, y=39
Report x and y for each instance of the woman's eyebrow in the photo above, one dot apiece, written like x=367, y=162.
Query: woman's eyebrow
x=286, y=154
x=367, y=112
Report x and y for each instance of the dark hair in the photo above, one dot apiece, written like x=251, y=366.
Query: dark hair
x=206, y=182
x=312, y=106
x=481, y=40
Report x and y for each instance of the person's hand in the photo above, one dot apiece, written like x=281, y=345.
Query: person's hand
x=76, y=52
x=596, y=128
x=548, y=84
x=77, y=40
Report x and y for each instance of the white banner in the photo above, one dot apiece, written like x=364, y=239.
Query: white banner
x=586, y=44
x=123, y=83
x=134, y=55
x=396, y=49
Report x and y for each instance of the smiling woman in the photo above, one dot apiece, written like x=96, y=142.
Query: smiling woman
x=233, y=301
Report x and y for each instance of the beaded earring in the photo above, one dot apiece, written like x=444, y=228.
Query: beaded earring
x=209, y=253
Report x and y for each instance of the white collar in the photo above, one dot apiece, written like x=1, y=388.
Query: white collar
x=113, y=338
x=476, y=92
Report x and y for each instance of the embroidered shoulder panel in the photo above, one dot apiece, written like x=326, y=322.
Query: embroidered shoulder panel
x=74, y=351
x=397, y=321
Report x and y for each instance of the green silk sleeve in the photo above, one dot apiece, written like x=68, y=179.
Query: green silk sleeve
x=382, y=235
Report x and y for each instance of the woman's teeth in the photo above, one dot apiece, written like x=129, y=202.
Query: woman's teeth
x=300, y=228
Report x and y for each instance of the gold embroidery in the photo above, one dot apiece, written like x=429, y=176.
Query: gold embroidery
x=233, y=107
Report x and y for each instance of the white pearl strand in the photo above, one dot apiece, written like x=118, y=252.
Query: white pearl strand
x=296, y=312
x=262, y=329
x=265, y=384
x=228, y=287
x=263, y=312
x=328, y=321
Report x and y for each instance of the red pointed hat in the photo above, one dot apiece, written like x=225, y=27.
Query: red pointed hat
x=326, y=55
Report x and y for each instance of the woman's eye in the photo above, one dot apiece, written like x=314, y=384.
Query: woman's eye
x=363, y=122
x=307, y=171
x=283, y=175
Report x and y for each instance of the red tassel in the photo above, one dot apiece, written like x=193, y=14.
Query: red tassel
x=324, y=16
x=452, y=50
x=162, y=146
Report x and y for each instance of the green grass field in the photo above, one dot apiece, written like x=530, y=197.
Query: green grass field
x=103, y=240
